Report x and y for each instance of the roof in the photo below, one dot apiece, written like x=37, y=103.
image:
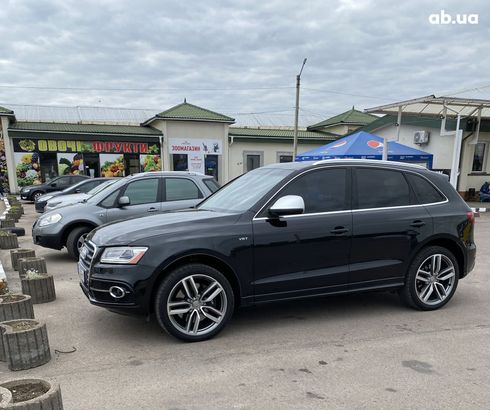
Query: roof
x=6, y=111
x=277, y=133
x=190, y=112
x=352, y=116
x=436, y=106
x=68, y=128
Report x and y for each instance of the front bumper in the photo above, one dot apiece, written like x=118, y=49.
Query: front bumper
x=47, y=237
x=25, y=196
x=39, y=206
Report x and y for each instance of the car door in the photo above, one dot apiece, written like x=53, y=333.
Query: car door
x=387, y=225
x=305, y=254
x=59, y=184
x=144, y=196
x=180, y=193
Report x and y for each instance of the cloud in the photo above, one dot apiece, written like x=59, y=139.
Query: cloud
x=239, y=56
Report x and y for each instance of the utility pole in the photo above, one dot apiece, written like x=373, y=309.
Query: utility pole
x=296, y=112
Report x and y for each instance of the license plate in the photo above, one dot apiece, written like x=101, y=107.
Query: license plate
x=82, y=273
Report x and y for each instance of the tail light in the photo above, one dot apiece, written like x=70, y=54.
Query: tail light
x=471, y=217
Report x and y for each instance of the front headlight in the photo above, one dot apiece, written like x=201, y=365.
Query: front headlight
x=127, y=255
x=26, y=190
x=48, y=220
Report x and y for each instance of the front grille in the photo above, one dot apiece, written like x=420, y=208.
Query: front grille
x=87, y=255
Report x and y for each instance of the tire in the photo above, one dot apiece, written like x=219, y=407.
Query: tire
x=72, y=241
x=16, y=230
x=36, y=195
x=421, y=276
x=173, y=290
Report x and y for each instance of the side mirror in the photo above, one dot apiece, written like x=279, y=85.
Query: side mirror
x=77, y=191
x=288, y=205
x=124, y=201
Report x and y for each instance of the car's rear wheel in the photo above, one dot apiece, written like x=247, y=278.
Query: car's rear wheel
x=75, y=240
x=194, y=302
x=432, y=279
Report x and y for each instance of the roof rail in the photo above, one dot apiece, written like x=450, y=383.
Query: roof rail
x=369, y=161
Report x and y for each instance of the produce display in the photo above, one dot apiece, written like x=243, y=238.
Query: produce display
x=150, y=163
x=28, y=169
x=70, y=164
x=114, y=168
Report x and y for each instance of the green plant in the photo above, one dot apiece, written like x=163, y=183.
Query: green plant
x=5, y=233
x=34, y=274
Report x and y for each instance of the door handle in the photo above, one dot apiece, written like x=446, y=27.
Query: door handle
x=417, y=224
x=338, y=230
x=152, y=209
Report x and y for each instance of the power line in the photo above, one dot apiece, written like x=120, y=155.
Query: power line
x=38, y=87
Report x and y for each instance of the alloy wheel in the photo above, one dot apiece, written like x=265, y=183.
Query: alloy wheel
x=435, y=279
x=197, y=305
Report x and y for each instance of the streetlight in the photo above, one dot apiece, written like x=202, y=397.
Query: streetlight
x=296, y=112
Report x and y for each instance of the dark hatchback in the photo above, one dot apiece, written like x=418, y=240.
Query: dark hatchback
x=33, y=192
x=281, y=232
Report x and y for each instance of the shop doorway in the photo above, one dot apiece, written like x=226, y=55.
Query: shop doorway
x=132, y=164
x=211, y=166
x=180, y=162
x=92, y=165
x=49, y=166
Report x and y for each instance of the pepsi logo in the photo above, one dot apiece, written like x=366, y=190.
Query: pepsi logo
x=339, y=144
x=374, y=144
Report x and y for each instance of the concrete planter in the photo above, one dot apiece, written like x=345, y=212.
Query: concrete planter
x=9, y=241
x=15, y=254
x=5, y=397
x=14, y=307
x=7, y=223
x=40, y=289
x=24, y=344
x=41, y=394
x=33, y=263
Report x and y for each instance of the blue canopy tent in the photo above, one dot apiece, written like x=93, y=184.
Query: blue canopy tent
x=366, y=146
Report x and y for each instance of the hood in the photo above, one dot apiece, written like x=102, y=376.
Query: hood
x=137, y=229
x=47, y=197
x=72, y=198
x=25, y=188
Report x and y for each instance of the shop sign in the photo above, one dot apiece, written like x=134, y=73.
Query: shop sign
x=46, y=145
x=191, y=145
x=196, y=162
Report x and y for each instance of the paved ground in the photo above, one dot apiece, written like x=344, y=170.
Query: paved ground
x=363, y=351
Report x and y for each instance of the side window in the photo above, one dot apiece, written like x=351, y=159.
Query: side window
x=144, y=191
x=211, y=183
x=322, y=190
x=109, y=201
x=379, y=188
x=178, y=189
x=64, y=182
x=424, y=191
x=88, y=186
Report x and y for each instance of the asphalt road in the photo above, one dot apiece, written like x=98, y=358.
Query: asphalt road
x=359, y=351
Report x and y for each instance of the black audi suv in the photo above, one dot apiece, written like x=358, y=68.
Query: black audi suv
x=283, y=232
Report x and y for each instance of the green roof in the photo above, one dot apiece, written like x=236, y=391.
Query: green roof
x=190, y=112
x=5, y=111
x=277, y=133
x=68, y=128
x=352, y=116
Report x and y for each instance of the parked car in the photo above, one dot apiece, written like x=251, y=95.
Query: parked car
x=65, y=200
x=83, y=187
x=31, y=193
x=286, y=231
x=132, y=196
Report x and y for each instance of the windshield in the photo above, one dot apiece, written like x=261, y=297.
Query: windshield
x=100, y=187
x=242, y=193
x=72, y=187
x=99, y=196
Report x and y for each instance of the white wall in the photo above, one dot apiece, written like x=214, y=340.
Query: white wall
x=469, y=179
x=268, y=150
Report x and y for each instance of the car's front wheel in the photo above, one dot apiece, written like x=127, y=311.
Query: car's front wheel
x=432, y=279
x=194, y=302
x=75, y=240
x=36, y=195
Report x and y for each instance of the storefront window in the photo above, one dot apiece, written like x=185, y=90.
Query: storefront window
x=180, y=162
x=478, y=157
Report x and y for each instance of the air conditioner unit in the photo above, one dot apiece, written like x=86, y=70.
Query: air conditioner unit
x=421, y=137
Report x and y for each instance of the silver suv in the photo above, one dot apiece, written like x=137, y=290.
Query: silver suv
x=133, y=196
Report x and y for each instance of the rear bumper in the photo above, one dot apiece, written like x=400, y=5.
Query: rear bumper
x=470, y=259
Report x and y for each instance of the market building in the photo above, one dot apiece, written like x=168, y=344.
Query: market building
x=184, y=137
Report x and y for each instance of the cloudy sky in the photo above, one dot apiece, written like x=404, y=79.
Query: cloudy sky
x=240, y=56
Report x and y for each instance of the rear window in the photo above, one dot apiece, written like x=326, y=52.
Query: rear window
x=211, y=183
x=425, y=192
x=380, y=188
x=180, y=189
